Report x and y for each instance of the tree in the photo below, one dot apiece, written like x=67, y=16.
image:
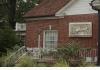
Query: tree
x=22, y=7
x=8, y=39
x=3, y=11
x=13, y=10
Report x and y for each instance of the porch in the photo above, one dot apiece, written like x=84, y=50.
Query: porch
x=44, y=55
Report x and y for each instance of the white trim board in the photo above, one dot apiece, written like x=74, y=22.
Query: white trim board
x=76, y=7
x=60, y=12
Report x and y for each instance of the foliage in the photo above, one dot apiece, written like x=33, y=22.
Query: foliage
x=13, y=10
x=1, y=61
x=3, y=11
x=69, y=54
x=7, y=11
x=68, y=51
x=61, y=63
x=26, y=62
x=85, y=64
x=61, y=56
x=8, y=39
x=22, y=7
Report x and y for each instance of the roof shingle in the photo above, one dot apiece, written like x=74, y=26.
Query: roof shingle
x=46, y=8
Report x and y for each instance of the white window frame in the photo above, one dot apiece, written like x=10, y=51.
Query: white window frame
x=45, y=36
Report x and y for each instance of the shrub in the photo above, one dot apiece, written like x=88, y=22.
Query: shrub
x=2, y=61
x=68, y=51
x=26, y=62
x=8, y=40
x=61, y=63
x=85, y=64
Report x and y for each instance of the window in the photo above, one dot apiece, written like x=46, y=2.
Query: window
x=50, y=39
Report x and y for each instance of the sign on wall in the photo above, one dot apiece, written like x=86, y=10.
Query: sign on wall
x=80, y=29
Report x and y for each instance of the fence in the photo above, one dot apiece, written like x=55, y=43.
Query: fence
x=89, y=55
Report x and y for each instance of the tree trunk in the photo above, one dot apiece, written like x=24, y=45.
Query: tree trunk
x=12, y=12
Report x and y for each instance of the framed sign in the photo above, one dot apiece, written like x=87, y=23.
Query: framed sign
x=80, y=29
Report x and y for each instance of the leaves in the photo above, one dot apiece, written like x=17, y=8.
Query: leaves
x=23, y=7
x=8, y=39
x=13, y=10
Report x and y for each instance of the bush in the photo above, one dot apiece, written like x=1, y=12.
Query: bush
x=68, y=51
x=26, y=62
x=8, y=40
x=85, y=64
x=61, y=63
x=2, y=61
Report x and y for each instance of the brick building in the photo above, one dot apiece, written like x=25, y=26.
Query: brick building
x=56, y=22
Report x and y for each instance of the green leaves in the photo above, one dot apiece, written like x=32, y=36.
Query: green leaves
x=8, y=39
x=14, y=10
x=23, y=7
x=68, y=50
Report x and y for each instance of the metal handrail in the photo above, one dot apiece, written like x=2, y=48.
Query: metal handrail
x=11, y=60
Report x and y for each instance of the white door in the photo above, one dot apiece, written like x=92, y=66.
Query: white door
x=50, y=39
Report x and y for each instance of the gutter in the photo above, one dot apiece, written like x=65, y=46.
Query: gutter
x=43, y=18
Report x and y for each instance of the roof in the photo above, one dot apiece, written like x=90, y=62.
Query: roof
x=46, y=8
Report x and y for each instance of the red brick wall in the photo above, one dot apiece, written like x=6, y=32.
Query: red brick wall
x=62, y=25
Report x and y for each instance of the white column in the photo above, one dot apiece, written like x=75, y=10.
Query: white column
x=38, y=41
x=49, y=27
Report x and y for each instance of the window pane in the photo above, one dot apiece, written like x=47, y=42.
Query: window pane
x=51, y=39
